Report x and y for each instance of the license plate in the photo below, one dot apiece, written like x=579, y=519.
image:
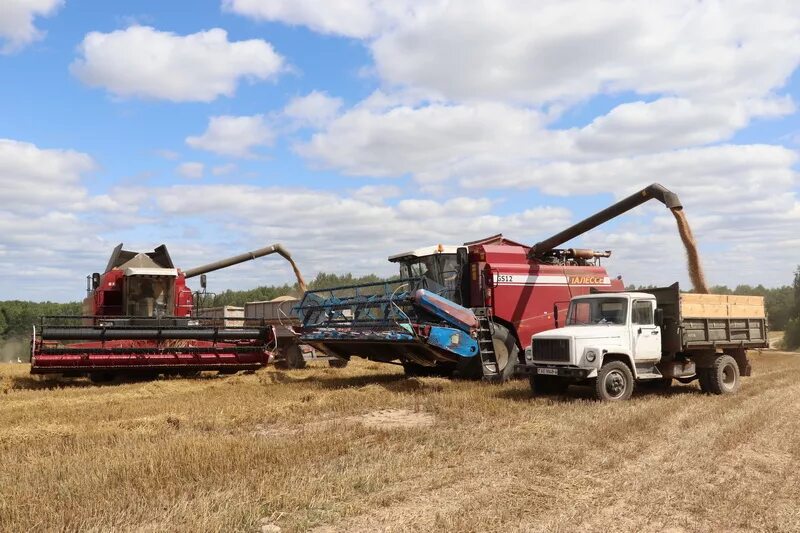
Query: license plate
x=547, y=371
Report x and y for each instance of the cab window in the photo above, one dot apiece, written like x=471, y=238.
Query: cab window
x=642, y=313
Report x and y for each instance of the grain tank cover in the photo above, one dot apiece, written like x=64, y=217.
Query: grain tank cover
x=158, y=258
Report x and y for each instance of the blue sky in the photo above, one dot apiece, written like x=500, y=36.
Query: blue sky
x=353, y=130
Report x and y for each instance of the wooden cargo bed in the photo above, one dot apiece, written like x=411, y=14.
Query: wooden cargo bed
x=694, y=321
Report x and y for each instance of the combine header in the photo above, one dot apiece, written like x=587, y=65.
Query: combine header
x=463, y=309
x=138, y=320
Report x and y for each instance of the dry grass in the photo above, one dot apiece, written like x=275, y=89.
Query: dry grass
x=363, y=448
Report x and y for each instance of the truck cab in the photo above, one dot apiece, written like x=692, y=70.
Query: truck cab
x=598, y=327
x=609, y=340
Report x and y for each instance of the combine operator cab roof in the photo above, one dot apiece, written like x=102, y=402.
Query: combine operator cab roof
x=425, y=252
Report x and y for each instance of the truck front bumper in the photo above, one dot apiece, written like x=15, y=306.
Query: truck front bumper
x=571, y=372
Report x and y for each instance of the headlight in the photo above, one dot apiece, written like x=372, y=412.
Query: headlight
x=529, y=353
x=591, y=355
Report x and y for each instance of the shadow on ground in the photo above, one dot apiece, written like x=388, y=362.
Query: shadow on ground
x=579, y=393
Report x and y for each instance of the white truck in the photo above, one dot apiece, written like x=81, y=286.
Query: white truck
x=611, y=341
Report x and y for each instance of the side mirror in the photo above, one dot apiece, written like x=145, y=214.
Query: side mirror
x=203, y=281
x=95, y=280
x=659, y=317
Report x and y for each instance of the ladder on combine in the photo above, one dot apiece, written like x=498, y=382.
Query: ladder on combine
x=489, y=365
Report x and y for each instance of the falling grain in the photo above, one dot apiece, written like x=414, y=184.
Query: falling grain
x=692, y=255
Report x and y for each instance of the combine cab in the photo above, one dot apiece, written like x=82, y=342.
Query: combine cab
x=138, y=320
x=463, y=309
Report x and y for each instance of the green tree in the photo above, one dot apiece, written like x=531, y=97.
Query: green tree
x=791, y=337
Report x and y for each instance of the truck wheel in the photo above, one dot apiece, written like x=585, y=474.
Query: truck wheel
x=506, y=353
x=614, y=382
x=723, y=376
x=546, y=385
x=294, y=357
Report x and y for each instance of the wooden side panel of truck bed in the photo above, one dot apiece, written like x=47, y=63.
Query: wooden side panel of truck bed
x=721, y=306
x=710, y=321
x=722, y=321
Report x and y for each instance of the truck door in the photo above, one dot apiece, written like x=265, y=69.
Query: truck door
x=646, y=335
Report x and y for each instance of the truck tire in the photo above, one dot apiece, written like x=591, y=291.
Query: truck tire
x=506, y=352
x=547, y=385
x=294, y=357
x=723, y=376
x=614, y=382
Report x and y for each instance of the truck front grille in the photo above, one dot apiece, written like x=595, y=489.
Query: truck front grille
x=551, y=350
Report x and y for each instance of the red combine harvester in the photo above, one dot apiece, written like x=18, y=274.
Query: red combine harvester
x=138, y=320
x=464, y=309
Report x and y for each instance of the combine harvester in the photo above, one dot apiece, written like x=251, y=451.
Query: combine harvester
x=464, y=309
x=139, y=320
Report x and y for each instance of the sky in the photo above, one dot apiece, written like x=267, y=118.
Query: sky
x=350, y=130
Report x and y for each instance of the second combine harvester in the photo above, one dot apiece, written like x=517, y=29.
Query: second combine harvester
x=139, y=319
x=464, y=309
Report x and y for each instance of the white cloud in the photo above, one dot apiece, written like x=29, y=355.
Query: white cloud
x=429, y=142
x=666, y=123
x=17, y=27
x=141, y=61
x=353, y=18
x=224, y=170
x=234, y=136
x=191, y=170
x=314, y=109
x=35, y=180
x=539, y=52
x=50, y=222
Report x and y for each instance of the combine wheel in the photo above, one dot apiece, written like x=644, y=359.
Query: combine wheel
x=294, y=357
x=506, y=353
x=723, y=376
x=547, y=385
x=335, y=362
x=614, y=382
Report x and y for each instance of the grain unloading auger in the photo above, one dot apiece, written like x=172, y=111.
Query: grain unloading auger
x=463, y=309
x=138, y=319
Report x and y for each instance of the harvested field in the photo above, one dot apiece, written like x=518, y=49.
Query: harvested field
x=364, y=448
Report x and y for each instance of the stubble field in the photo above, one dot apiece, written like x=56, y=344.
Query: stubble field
x=364, y=448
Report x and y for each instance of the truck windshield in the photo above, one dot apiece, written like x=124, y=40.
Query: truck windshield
x=441, y=269
x=597, y=311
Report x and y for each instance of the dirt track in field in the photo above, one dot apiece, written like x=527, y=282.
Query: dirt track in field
x=364, y=448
